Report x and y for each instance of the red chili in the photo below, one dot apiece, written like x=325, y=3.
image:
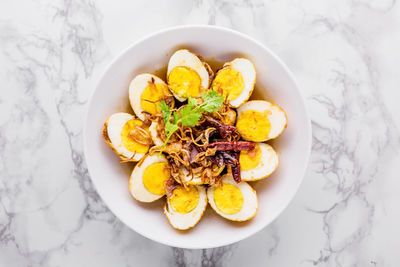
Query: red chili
x=224, y=130
x=219, y=159
x=236, y=173
x=229, y=159
x=232, y=145
x=232, y=158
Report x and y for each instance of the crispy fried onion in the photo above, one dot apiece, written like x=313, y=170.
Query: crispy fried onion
x=192, y=152
x=226, y=114
x=141, y=136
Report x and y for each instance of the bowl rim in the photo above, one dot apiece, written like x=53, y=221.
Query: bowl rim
x=222, y=29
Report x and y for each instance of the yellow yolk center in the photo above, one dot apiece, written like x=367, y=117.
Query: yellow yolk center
x=184, y=200
x=253, y=125
x=184, y=82
x=154, y=177
x=151, y=97
x=230, y=82
x=250, y=159
x=128, y=141
x=228, y=198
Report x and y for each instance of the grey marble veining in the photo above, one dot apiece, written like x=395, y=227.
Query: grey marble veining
x=345, y=57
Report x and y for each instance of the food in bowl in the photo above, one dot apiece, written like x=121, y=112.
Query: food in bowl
x=197, y=139
x=188, y=74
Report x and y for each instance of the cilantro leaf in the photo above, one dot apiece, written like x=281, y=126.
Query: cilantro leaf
x=165, y=111
x=212, y=101
x=170, y=127
x=192, y=101
x=169, y=130
x=187, y=116
x=190, y=114
x=176, y=117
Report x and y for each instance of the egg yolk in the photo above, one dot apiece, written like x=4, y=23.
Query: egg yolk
x=127, y=140
x=230, y=82
x=151, y=97
x=253, y=125
x=154, y=177
x=184, y=200
x=250, y=159
x=184, y=82
x=228, y=198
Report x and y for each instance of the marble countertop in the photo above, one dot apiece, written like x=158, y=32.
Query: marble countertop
x=345, y=56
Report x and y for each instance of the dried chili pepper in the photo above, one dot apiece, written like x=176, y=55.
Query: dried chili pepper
x=236, y=173
x=232, y=145
x=216, y=159
x=229, y=159
x=219, y=159
x=224, y=130
x=232, y=158
x=236, y=169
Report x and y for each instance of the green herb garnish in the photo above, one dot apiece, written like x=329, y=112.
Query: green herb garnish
x=190, y=114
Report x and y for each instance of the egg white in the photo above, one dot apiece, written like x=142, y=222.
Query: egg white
x=268, y=163
x=250, y=202
x=188, y=220
x=248, y=72
x=136, y=88
x=276, y=115
x=136, y=186
x=113, y=127
x=185, y=58
x=154, y=136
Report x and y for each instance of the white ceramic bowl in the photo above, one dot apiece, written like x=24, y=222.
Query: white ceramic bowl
x=274, y=83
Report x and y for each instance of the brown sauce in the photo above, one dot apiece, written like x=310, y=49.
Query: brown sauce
x=214, y=64
x=161, y=73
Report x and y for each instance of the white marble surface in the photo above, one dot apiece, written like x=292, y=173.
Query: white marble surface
x=345, y=55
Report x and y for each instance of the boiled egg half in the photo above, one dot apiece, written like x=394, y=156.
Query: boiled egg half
x=148, y=178
x=258, y=163
x=185, y=206
x=233, y=201
x=122, y=132
x=236, y=81
x=260, y=120
x=187, y=74
x=146, y=91
x=154, y=132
